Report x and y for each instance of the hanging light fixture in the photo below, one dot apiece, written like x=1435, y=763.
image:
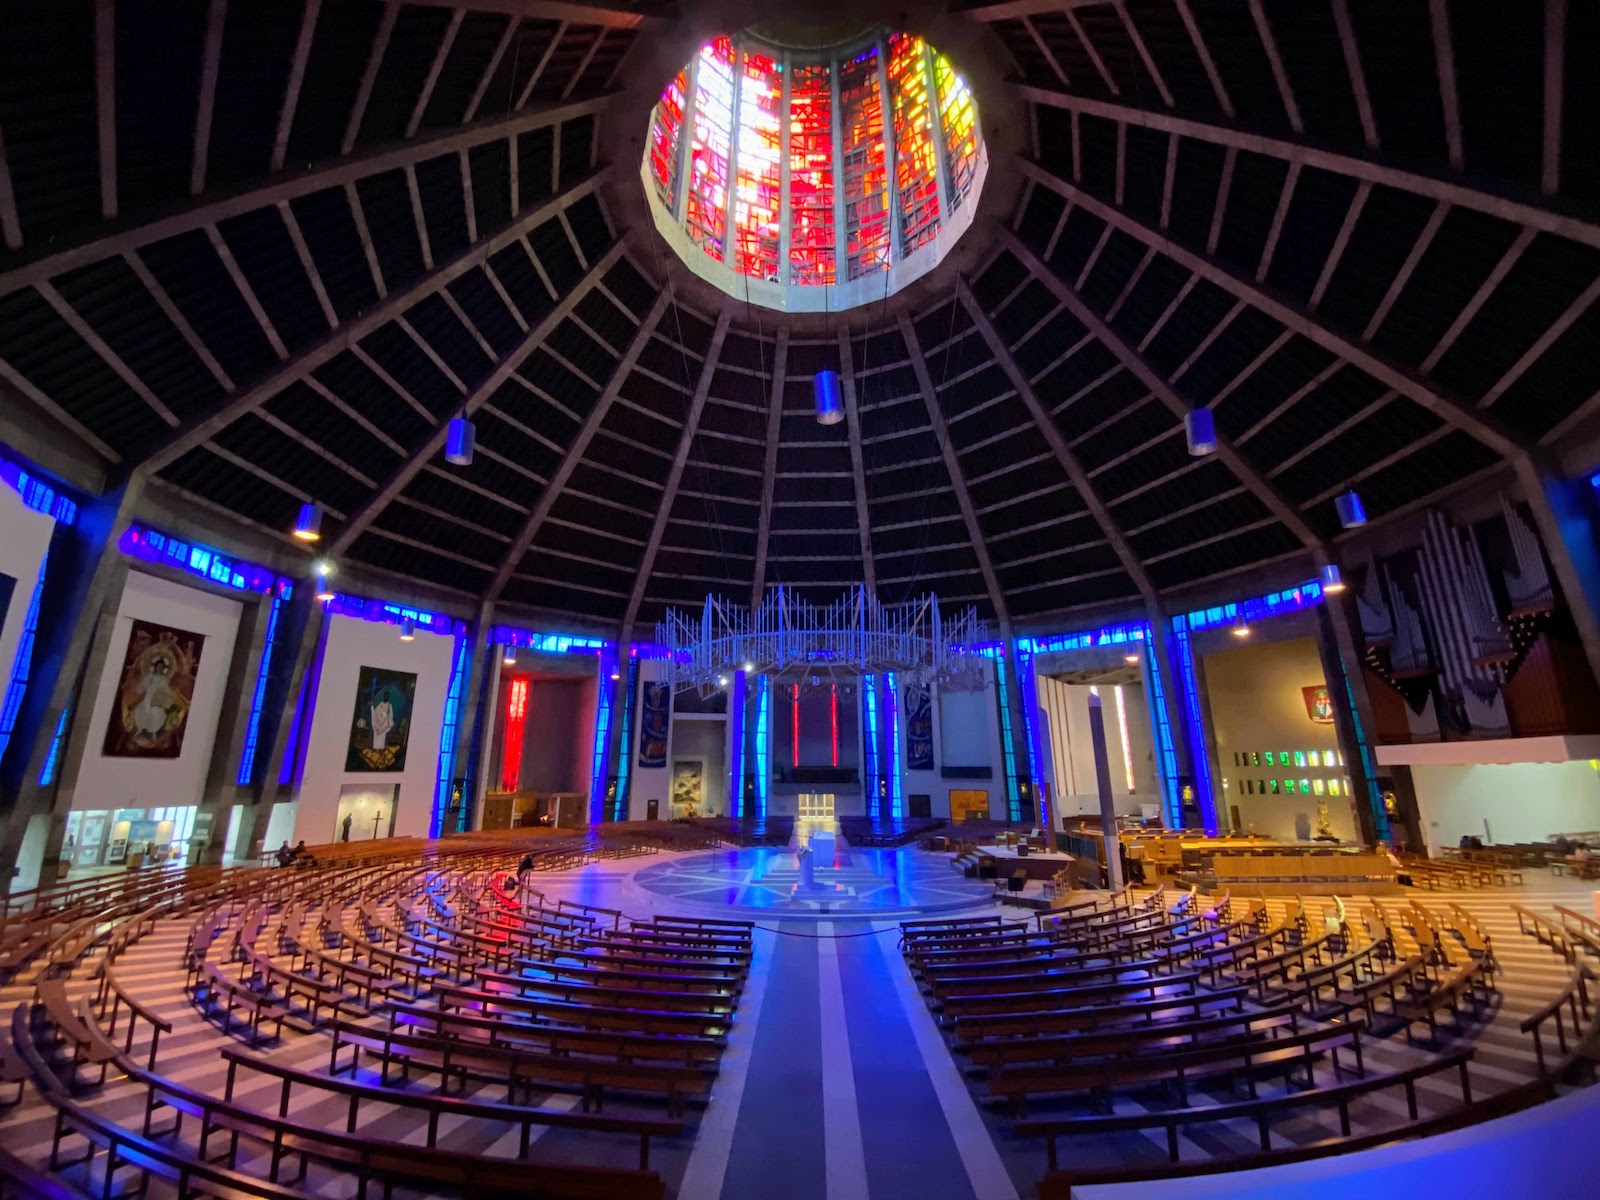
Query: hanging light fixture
x=1200, y=426
x=830, y=404
x=1130, y=658
x=408, y=629
x=460, y=442
x=1352, y=513
x=1332, y=580
x=1241, y=627
x=324, y=572
x=308, y=525
x=509, y=658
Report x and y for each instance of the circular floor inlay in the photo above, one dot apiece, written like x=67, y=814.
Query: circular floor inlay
x=851, y=883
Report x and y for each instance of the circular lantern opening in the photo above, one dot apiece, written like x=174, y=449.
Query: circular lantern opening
x=813, y=179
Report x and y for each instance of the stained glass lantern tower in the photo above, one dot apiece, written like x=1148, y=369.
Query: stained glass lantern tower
x=814, y=179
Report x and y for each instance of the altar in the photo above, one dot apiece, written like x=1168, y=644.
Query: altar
x=1038, y=864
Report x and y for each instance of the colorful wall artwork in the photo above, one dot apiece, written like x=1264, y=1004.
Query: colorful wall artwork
x=655, y=720
x=380, y=729
x=1318, y=707
x=151, y=711
x=919, y=729
x=688, y=787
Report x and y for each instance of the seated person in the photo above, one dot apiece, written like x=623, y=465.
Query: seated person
x=302, y=857
x=284, y=855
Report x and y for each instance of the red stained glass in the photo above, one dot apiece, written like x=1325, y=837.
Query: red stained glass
x=757, y=201
x=664, y=131
x=706, y=214
x=916, y=160
x=865, y=170
x=811, y=235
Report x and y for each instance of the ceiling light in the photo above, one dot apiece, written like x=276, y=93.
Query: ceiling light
x=324, y=570
x=1241, y=627
x=1200, y=426
x=1332, y=581
x=408, y=629
x=459, y=443
x=308, y=525
x=830, y=404
x=1352, y=513
x=616, y=674
x=510, y=656
x=722, y=680
x=1130, y=658
x=749, y=666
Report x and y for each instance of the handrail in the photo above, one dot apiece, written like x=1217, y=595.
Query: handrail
x=1575, y=996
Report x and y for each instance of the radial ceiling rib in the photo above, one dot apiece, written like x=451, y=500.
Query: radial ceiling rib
x=1164, y=391
x=1058, y=444
x=769, y=469
x=1450, y=191
x=1485, y=428
x=612, y=16
x=430, y=448
x=335, y=173
x=345, y=336
x=579, y=447
x=674, y=477
x=852, y=416
x=958, y=481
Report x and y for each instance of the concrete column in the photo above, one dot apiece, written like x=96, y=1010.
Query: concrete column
x=233, y=725
x=471, y=716
x=300, y=629
x=1108, y=808
x=85, y=568
x=1563, y=511
x=1366, y=803
x=1174, y=705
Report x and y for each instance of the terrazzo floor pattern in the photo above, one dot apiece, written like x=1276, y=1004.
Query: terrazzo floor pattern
x=836, y=1082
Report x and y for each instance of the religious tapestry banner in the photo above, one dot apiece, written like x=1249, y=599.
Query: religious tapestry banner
x=655, y=718
x=150, y=712
x=381, y=726
x=1319, y=707
x=919, y=729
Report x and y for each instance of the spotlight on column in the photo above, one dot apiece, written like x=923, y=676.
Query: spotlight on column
x=308, y=525
x=830, y=404
x=1352, y=514
x=1332, y=581
x=1201, y=427
x=324, y=573
x=459, y=443
x=408, y=629
x=1241, y=627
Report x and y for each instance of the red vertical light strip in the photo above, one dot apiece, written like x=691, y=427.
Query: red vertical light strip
x=516, y=719
x=794, y=719
x=833, y=718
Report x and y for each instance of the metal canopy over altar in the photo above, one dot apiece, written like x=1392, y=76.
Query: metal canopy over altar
x=809, y=645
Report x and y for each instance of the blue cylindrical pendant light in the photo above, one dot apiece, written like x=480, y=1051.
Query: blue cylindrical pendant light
x=830, y=404
x=308, y=525
x=1201, y=427
x=1352, y=514
x=460, y=441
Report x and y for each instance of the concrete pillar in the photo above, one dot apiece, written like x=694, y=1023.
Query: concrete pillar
x=1341, y=673
x=85, y=568
x=300, y=628
x=1159, y=660
x=233, y=727
x=1563, y=511
x=470, y=720
x=1108, y=808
